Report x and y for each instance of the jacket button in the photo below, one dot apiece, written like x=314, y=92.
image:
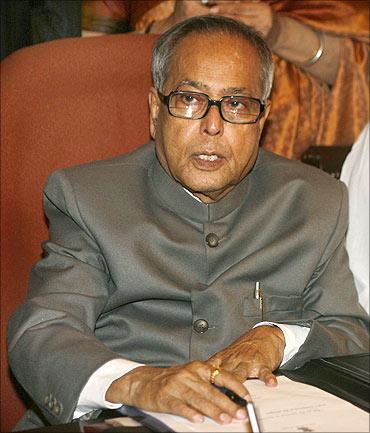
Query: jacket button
x=200, y=326
x=212, y=240
x=57, y=409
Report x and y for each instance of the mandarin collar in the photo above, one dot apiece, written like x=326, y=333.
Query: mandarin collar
x=172, y=194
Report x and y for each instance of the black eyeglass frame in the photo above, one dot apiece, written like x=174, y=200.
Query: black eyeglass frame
x=166, y=100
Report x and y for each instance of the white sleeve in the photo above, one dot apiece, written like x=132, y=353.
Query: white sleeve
x=294, y=335
x=93, y=394
x=355, y=174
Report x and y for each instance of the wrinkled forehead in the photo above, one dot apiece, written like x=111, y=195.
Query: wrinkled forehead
x=209, y=58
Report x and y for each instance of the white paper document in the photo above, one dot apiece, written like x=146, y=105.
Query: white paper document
x=290, y=407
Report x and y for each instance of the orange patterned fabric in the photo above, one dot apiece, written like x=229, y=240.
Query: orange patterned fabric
x=306, y=112
x=145, y=12
x=106, y=16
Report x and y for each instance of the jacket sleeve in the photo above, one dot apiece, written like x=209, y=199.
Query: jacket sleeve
x=51, y=343
x=338, y=324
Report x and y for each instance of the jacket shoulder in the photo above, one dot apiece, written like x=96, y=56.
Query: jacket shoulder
x=285, y=170
x=140, y=157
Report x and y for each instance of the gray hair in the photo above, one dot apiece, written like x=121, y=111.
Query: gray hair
x=165, y=46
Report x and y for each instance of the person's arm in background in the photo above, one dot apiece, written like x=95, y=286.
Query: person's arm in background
x=181, y=11
x=288, y=38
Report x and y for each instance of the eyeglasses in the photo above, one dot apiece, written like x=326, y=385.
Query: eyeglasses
x=194, y=105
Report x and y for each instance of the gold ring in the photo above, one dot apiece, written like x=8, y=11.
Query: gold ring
x=214, y=372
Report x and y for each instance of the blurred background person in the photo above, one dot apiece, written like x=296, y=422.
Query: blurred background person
x=105, y=17
x=355, y=174
x=321, y=91
x=28, y=22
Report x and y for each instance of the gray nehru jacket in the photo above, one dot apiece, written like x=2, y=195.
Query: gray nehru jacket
x=135, y=266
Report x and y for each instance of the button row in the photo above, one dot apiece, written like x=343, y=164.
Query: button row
x=201, y=325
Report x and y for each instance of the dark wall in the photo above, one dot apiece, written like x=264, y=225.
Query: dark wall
x=27, y=22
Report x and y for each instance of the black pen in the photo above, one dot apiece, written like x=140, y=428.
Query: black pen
x=232, y=396
x=243, y=403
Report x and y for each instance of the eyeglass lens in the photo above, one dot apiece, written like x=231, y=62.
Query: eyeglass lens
x=191, y=105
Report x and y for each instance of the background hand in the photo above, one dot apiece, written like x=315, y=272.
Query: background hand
x=186, y=9
x=183, y=9
x=254, y=355
x=256, y=14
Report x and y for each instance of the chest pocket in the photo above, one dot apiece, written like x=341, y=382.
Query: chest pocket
x=274, y=308
x=282, y=307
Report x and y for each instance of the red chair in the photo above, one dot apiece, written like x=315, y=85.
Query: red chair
x=63, y=102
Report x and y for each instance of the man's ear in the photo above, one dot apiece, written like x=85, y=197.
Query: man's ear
x=264, y=115
x=154, y=105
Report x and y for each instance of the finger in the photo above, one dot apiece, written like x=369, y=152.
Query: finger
x=197, y=392
x=210, y=401
x=227, y=376
x=189, y=393
x=229, y=381
x=178, y=407
x=267, y=376
x=224, y=409
x=232, y=382
x=242, y=371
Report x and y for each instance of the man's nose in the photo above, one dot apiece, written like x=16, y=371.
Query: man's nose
x=212, y=123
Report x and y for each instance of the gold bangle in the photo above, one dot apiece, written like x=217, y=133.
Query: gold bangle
x=316, y=57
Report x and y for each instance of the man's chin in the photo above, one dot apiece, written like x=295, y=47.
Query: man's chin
x=207, y=186
x=204, y=188
x=208, y=193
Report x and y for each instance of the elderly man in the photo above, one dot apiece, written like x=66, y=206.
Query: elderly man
x=198, y=259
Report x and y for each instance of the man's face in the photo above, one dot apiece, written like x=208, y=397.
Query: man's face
x=208, y=156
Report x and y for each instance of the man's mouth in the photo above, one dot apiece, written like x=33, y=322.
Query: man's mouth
x=208, y=161
x=208, y=157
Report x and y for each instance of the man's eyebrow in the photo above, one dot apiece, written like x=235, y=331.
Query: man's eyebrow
x=201, y=86
x=192, y=83
x=236, y=90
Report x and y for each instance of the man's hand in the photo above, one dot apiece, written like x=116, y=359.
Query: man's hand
x=258, y=15
x=181, y=390
x=254, y=355
x=183, y=9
